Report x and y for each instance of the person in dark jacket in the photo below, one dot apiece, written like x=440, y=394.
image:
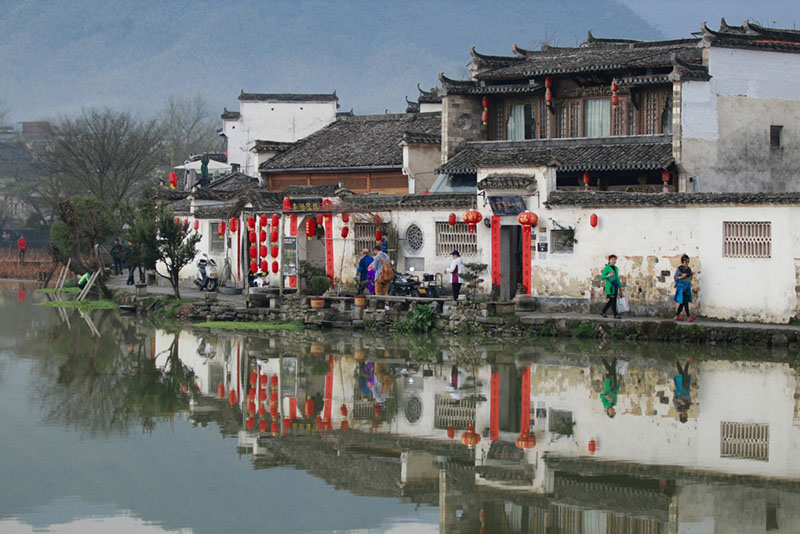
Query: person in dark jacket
x=363, y=269
x=683, y=288
x=116, y=255
x=683, y=396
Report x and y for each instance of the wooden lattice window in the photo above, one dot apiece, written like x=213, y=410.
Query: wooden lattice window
x=544, y=119
x=575, y=119
x=624, y=118
x=364, y=236
x=751, y=239
x=455, y=238
x=749, y=441
x=562, y=121
x=448, y=412
x=652, y=113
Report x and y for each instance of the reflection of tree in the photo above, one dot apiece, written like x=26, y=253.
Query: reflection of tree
x=109, y=383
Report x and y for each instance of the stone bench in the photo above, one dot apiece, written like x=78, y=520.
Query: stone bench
x=264, y=297
x=405, y=303
x=339, y=303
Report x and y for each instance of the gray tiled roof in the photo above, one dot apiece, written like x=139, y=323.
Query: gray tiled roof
x=271, y=146
x=226, y=187
x=165, y=193
x=568, y=155
x=751, y=35
x=263, y=200
x=506, y=181
x=214, y=212
x=419, y=138
x=289, y=97
x=607, y=198
x=356, y=142
x=230, y=115
x=180, y=207
x=410, y=202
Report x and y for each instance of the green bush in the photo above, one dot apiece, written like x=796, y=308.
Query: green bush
x=319, y=285
x=583, y=330
x=420, y=320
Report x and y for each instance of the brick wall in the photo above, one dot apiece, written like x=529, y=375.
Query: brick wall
x=461, y=122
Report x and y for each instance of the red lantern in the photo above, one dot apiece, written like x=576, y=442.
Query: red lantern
x=274, y=251
x=470, y=438
x=253, y=252
x=593, y=220
x=343, y=410
x=173, y=180
x=262, y=411
x=548, y=97
x=527, y=218
x=273, y=397
x=378, y=236
x=586, y=180
x=614, y=100
x=485, y=102
x=251, y=407
x=273, y=236
x=451, y=432
x=345, y=232
x=472, y=218
x=185, y=223
x=262, y=220
x=377, y=219
x=232, y=397
x=221, y=228
x=319, y=220
x=665, y=176
x=253, y=378
x=614, y=86
x=264, y=266
x=548, y=82
x=592, y=446
x=251, y=394
x=275, y=220
x=221, y=390
x=273, y=427
x=263, y=381
x=263, y=251
x=262, y=395
x=196, y=225
x=274, y=381
x=287, y=204
x=234, y=225
x=253, y=266
x=451, y=219
x=275, y=267
x=308, y=408
x=310, y=227
x=251, y=223
x=345, y=218
x=485, y=117
x=262, y=236
x=251, y=237
x=273, y=410
x=262, y=426
x=178, y=221
x=251, y=423
x=326, y=203
x=525, y=440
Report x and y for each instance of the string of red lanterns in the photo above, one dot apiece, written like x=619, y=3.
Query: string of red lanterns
x=485, y=114
x=548, y=91
x=614, y=95
x=586, y=180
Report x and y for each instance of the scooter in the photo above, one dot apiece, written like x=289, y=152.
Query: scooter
x=405, y=285
x=206, y=273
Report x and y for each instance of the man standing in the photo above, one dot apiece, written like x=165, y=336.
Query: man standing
x=363, y=266
x=22, y=247
x=116, y=254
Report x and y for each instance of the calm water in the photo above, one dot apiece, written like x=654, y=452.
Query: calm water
x=113, y=424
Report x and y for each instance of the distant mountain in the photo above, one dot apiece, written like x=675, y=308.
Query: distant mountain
x=56, y=57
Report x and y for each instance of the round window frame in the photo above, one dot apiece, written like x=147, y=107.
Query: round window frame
x=408, y=246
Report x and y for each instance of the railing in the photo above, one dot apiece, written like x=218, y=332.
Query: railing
x=448, y=413
x=749, y=441
x=363, y=409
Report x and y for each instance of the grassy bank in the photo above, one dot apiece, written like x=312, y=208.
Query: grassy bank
x=258, y=325
x=84, y=305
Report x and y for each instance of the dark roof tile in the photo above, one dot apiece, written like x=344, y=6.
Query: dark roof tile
x=226, y=187
x=409, y=202
x=288, y=97
x=612, y=199
x=506, y=181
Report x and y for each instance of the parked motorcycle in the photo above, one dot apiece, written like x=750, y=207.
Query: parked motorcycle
x=206, y=273
x=405, y=285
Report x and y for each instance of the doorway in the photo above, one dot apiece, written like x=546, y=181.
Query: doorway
x=510, y=261
x=311, y=250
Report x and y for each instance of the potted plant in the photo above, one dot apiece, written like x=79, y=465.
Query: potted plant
x=319, y=285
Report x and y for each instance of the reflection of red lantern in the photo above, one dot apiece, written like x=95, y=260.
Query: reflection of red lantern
x=251, y=223
x=251, y=237
x=251, y=423
x=274, y=428
x=592, y=446
x=262, y=411
x=196, y=225
x=221, y=228
x=378, y=236
x=264, y=266
x=251, y=394
x=262, y=220
x=263, y=251
x=343, y=410
x=472, y=218
x=345, y=218
x=232, y=397
x=614, y=100
x=262, y=236
x=470, y=438
x=221, y=390
x=262, y=426
x=593, y=220
x=276, y=219
x=262, y=395
x=234, y=225
x=451, y=219
x=274, y=381
x=274, y=251
x=310, y=227
x=287, y=204
x=525, y=440
x=345, y=426
x=273, y=410
x=451, y=432
x=273, y=236
x=527, y=218
x=308, y=408
x=273, y=397
x=253, y=252
x=275, y=267
x=251, y=407
x=345, y=232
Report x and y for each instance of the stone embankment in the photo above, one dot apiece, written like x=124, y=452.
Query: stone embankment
x=490, y=320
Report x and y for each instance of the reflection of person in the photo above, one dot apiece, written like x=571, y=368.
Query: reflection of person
x=610, y=387
x=22, y=247
x=610, y=275
x=363, y=269
x=683, y=395
x=683, y=288
x=456, y=269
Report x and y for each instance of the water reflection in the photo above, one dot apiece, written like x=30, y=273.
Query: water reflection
x=499, y=438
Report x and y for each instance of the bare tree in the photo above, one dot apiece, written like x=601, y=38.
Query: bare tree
x=188, y=127
x=104, y=153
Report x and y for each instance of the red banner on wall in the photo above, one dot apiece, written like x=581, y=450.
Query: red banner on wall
x=525, y=412
x=293, y=225
x=327, y=410
x=329, y=246
x=526, y=258
x=495, y=250
x=494, y=408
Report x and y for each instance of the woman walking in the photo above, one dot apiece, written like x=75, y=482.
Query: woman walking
x=683, y=288
x=610, y=275
x=456, y=269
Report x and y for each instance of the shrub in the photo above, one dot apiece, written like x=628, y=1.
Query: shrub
x=319, y=285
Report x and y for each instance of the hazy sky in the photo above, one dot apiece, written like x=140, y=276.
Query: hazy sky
x=57, y=57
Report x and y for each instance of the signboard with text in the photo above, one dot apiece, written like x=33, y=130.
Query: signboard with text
x=289, y=256
x=507, y=205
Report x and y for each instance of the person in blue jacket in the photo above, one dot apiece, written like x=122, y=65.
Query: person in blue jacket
x=683, y=395
x=363, y=268
x=683, y=288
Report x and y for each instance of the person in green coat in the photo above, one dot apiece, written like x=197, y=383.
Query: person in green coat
x=610, y=388
x=610, y=276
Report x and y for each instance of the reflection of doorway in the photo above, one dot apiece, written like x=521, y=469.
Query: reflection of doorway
x=510, y=260
x=311, y=250
x=510, y=398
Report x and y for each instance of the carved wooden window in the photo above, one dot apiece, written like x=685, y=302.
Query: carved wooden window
x=575, y=119
x=748, y=239
x=543, y=119
x=748, y=441
x=623, y=119
x=446, y=413
x=455, y=238
x=652, y=113
x=562, y=121
x=497, y=122
x=364, y=234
